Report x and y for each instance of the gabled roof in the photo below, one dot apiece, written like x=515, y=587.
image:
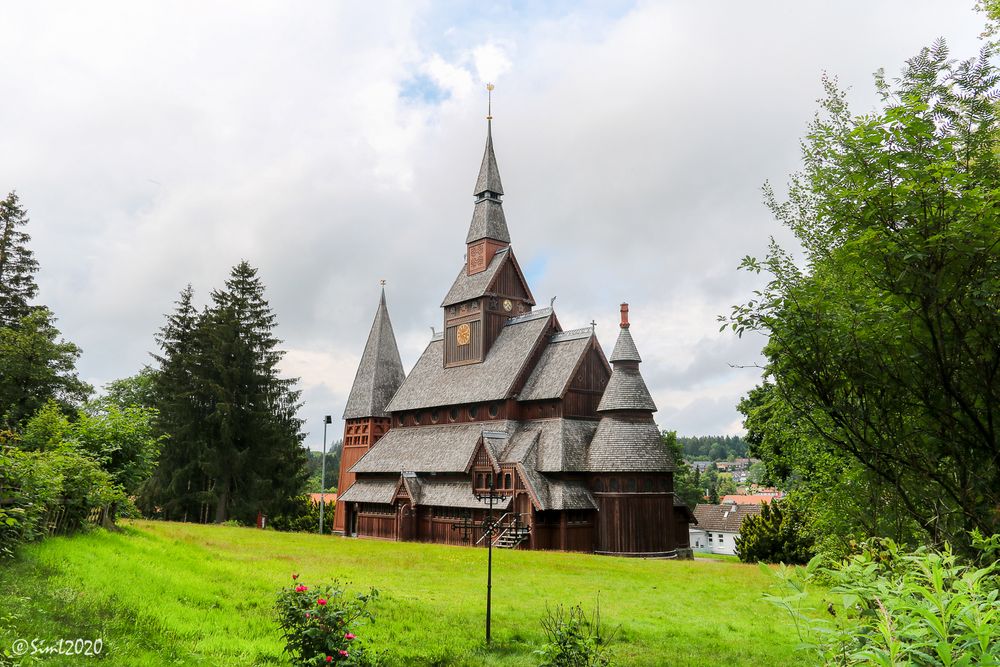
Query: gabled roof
x=380, y=372
x=441, y=448
x=626, y=390
x=549, y=493
x=632, y=445
x=727, y=518
x=562, y=443
x=429, y=384
x=554, y=370
x=468, y=287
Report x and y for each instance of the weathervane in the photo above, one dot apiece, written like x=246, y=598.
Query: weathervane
x=489, y=101
x=382, y=282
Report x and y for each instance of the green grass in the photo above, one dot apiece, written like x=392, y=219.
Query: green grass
x=166, y=593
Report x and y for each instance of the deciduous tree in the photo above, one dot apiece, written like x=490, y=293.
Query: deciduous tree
x=884, y=338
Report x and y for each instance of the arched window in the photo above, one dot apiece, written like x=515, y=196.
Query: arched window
x=453, y=414
x=507, y=481
x=473, y=411
x=479, y=480
x=435, y=416
x=494, y=410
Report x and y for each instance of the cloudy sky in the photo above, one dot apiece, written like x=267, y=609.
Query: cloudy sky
x=333, y=145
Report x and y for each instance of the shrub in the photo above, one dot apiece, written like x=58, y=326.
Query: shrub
x=302, y=515
x=319, y=623
x=573, y=639
x=776, y=535
x=891, y=607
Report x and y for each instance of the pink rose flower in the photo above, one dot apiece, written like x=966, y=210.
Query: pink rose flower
x=321, y=602
x=307, y=614
x=349, y=636
x=329, y=658
x=295, y=576
x=343, y=653
x=301, y=589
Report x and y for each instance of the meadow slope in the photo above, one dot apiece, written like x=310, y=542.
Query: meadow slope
x=166, y=593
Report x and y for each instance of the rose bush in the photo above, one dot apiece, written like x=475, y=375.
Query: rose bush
x=319, y=623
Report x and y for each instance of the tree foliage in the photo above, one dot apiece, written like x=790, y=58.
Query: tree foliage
x=17, y=263
x=777, y=535
x=233, y=438
x=884, y=340
x=36, y=366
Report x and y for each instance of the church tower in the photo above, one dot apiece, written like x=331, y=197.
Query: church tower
x=365, y=420
x=490, y=288
x=631, y=468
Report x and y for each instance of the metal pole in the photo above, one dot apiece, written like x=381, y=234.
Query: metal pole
x=322, y=483
x=489, y=563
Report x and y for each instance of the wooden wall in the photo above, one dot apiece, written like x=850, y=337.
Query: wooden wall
x=635, y=523
x=359, y=436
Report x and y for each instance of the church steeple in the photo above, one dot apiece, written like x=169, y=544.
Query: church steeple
x=380, y=372
x=488, y=220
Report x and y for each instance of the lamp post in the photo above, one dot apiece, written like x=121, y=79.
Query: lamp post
x=490, y=530
x=322, y=484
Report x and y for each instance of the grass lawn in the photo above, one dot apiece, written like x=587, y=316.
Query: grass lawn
x=168, y=593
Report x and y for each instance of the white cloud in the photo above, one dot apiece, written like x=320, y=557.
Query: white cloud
x=155, y=146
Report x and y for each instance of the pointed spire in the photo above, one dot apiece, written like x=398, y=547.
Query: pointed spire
x=489, y=173
x=488, y=221
x=380, y=372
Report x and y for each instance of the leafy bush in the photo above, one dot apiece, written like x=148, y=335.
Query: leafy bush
x=319, y=623
x=573, y=639
x=302, y=516
x=777, y=535
x=39, y=488
x=891, y=607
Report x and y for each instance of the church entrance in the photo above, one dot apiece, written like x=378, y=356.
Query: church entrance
x=405, y=522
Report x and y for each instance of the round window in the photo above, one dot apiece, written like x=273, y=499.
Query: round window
x=473, y=411
x=453, y=414
x=494, y=410
x=416, y=418
x=435, y=416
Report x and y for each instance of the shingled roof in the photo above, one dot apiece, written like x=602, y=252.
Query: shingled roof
x=380, y=372
x=632, y=445
x=489, y=174
x=370, y=491
x=429, y=384
x=440, y=448
x=488, y=221
x=726, y=518
x=626, y=390
x=468, y=287
x=625, y=349
x=554, y=369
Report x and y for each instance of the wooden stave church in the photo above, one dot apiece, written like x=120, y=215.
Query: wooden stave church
x=504, y=391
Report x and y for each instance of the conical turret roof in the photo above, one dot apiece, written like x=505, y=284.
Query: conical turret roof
x=626, y=390
x=380, y=372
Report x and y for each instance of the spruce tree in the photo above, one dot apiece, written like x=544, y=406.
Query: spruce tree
x=234, y=444
x=180, y=486
x=257, y=460
x=17, y=263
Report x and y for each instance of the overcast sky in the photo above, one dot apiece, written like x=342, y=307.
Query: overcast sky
x=333, y=145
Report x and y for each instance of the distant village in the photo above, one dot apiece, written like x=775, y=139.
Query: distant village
x=718, y=523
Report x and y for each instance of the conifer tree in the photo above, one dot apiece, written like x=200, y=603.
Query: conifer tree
x=234, y=440
x=17, y=263
x=180, y=485
x=256, y=456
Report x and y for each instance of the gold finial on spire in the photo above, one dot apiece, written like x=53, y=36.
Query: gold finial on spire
x=489, y=101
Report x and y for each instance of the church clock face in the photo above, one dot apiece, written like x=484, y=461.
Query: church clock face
x=463, y=334
x=507, y=305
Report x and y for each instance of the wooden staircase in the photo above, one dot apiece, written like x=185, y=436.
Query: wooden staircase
x=512, y=536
